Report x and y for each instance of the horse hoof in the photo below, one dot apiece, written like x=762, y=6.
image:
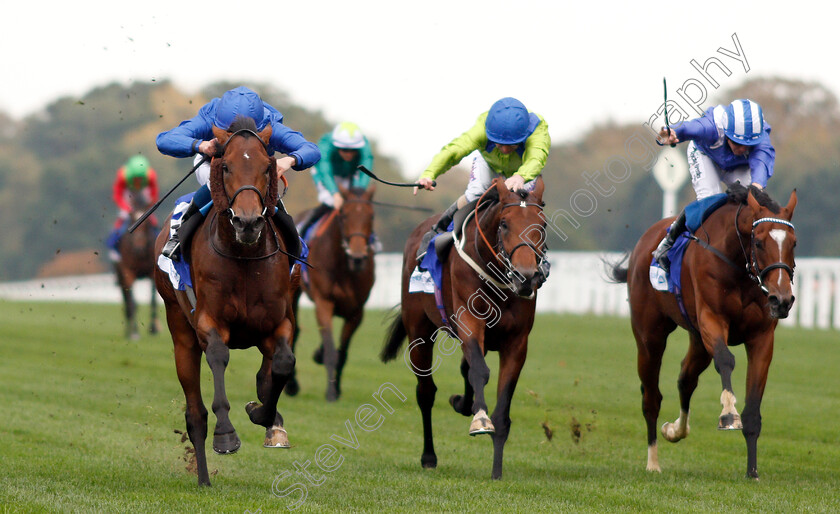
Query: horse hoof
x=481, y=424
x=457, y=403
x=292, y=388
x=276, y=437
x=730, y=422
x=254, y=409
x=318, y=356
x=225, y=444
x=429, y=461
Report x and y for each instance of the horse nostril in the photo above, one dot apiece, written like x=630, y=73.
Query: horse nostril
x=236, y=221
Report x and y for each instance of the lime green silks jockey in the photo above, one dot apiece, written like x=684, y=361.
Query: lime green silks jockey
x=506, y=142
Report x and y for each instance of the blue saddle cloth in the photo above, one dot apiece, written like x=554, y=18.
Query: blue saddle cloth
x=431, y=263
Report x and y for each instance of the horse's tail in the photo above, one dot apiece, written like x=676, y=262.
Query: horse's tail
x=616, y=271
x=395, y=336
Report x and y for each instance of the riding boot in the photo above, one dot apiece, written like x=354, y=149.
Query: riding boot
x=189, y=221
x=661, y=252
x=286, y=224
x=440, y=227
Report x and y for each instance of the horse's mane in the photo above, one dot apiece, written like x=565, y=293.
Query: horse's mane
x=243, y=123
x=737, y=194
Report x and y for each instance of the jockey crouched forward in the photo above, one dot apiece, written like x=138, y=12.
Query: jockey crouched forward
x=135, y=187
x=194, y=137
x=506, y=142
x=342, y=151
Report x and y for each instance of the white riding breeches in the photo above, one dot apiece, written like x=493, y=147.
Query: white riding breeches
x=481, y=176
x=706, y=176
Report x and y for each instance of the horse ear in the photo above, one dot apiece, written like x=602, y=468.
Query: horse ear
x=791, y=204
x=265, y=134
x=754, y=205
x=501, y=188
x=539, y=188
x=221, y=135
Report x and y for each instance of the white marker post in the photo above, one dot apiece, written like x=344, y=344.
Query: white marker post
x=671, y=172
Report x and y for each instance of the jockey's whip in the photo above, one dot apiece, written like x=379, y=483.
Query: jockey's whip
x=396, y=184
x=154, y=207
x=665, y=93
x=398, y=206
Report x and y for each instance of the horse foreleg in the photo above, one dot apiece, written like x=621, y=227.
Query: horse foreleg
x=277, y=369
x=225, y=439
x=511, y=359
x=759, y=356
x=292, y=387
x=324, y=313
x=351, y=324
x=478, y=376
x=696, y=360
x=463, y=404
x=131, y=331
x=724, y=364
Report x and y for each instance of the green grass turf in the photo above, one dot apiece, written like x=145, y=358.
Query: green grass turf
x=88, y=424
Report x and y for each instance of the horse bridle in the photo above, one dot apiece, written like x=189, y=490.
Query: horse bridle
x=345, y=238
x=248, y=187
x=502, y=255
x=755, y=273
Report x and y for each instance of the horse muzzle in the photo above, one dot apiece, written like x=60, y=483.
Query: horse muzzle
x=247, y=228
x=780, y=306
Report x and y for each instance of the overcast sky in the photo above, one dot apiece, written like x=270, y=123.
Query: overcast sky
x=414, y=75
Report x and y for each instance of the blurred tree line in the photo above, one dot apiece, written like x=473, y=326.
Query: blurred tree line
x=57, y=168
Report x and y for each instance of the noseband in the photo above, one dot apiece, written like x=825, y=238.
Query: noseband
x=752, y=268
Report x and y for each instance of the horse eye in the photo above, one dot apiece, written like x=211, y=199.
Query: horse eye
x=225, y=168
x=503, y=224
x=759, y=245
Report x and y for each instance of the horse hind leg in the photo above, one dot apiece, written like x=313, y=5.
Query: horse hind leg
x=650, y=349
x=420, y=359
x=696, y=360
x=154, y=323
x=292, y=386
x=225, y=439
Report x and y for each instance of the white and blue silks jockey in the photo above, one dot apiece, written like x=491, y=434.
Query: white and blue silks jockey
x=194, y=137
x=729, y=144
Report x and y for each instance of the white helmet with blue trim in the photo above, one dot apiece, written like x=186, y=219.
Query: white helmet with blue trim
x=744, y=122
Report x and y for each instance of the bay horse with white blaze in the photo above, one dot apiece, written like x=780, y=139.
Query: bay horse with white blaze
x=489, y=291
x=340, y=279
x=243, y=293
x=137, y=260
x=736, y=285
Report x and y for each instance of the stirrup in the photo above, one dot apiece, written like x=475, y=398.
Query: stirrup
x=172, y=249
x=660, y=254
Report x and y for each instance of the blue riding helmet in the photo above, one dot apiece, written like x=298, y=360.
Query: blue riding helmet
x=744, y=122
x=240, y=102
x=508, y=122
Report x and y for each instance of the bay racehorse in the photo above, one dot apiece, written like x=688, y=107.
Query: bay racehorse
x=488, y=300
x=243, y=293
x=137, y=260
x=736, y=285
x=340, y=279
